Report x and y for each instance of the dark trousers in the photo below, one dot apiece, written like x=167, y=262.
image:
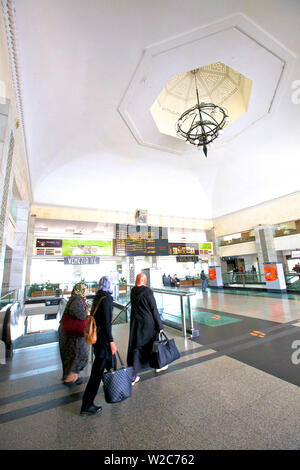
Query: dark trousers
x=100, y=363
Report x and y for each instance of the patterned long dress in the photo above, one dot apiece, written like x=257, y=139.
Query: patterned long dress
x=74, y=351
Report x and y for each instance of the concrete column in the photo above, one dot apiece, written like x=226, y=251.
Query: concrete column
x=6, y=270
x=265, y=245
x=19, y=252
x=6, y=178
x=4, y=108
x=131, y=269
x=215, y=260
x=30, y=239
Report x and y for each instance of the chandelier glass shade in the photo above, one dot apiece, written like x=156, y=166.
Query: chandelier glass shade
x=202, y=124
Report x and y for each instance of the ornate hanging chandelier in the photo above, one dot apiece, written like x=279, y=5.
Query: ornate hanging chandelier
x=202, y=123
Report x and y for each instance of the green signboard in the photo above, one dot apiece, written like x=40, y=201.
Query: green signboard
x=205, y=247
x=86, y=248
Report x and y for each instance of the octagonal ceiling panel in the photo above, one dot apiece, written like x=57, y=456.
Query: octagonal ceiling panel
x=216, y=83
x=208, y=45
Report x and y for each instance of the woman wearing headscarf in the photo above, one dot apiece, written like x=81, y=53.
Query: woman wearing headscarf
x=104, y=348
x=73, y=348
x=145, y=323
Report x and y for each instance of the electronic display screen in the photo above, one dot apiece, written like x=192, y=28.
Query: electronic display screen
x=141, y=240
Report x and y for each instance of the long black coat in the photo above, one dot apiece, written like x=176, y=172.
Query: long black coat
x=103, y=318
x=145, y=323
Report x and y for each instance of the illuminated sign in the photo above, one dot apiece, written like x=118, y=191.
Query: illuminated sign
x=53, y=247
x=81, y=260
x=212, y=275
x=183, y=249
x=271, y=273
x=48, y=247
x=140, y=240
x=86, y=248
x=187, y=259
x=202, y=248
x=205, y=248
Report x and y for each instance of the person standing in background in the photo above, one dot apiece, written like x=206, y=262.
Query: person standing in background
x=203, y=281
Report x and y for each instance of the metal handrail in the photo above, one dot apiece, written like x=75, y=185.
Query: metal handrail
x=13, y=326
x=243, y=277
x=123, y=309
x=291, y=280
x=182, y=294
x=9, y=297
x=8, y=294
x=291, y=274
x=166, y=291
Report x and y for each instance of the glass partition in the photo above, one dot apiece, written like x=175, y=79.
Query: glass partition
x=169, y=308
x=243, y=279
x=8, y=298
x=50, y=290
x=242, y=237
x=287, y=228
x=121, y=313
x=173, y=306
x=292, y=281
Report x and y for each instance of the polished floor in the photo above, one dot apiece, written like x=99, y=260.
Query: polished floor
x=235, y=386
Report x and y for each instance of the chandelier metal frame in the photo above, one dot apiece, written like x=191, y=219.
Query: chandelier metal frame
x=203, y=123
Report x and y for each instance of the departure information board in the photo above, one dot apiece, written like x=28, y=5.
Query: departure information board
x=141, y=240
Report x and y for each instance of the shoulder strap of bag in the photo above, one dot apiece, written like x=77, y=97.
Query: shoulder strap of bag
x=98, y=304
x=120, y=359
x=66, y=309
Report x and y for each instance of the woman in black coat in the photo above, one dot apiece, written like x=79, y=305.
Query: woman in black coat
x=104, y=348
x=145, y=323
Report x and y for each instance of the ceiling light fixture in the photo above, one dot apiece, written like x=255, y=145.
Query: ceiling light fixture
x=202, y=123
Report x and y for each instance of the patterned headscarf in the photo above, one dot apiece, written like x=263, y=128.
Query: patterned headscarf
x=104, y=284
x=79, y=289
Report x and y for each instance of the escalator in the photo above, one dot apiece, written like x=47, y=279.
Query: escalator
x=292, y=281
x=41, y=322
x=12, y=327
x=36, y=322
x=173, y=305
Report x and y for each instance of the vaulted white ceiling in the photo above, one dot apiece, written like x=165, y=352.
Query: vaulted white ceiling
x=90, y=71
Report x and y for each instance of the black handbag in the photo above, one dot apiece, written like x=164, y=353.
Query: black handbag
x=117, y=383
x=164, y=351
